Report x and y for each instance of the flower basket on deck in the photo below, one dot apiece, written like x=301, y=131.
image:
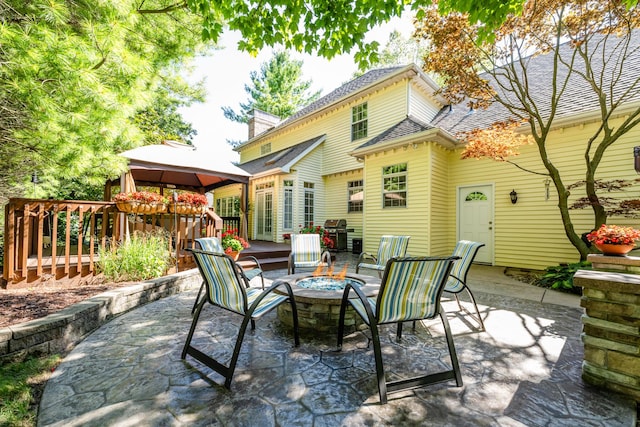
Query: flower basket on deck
x=189, y=204
x=136, y=207
x=140, y=202
x=186, y=208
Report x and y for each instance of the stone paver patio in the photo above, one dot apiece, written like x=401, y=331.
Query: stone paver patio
x=524, y=370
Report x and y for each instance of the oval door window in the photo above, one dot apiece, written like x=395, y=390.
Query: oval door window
x=475, y=195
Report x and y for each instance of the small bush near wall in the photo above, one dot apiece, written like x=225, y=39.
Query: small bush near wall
x=144, y=256
x=560, y=277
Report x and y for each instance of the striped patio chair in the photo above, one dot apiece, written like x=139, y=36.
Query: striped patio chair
x=410, y=290
x=306, y=252
x=225, y=289
x=390, y=246
x=249, y=269
x=457, y=281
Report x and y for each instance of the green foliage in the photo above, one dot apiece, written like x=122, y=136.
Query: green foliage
x=331, y=28
x=560, y=277
x=17, y=383
x=161, y=120
x=73, y=76
x=399, y=51
x=277, y=89
x=144, y=256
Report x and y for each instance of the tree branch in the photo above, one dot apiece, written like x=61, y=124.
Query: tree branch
x=525, y=169
x=167, y=9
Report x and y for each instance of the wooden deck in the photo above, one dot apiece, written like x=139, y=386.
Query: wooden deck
x=40, y=236
x=272, y=256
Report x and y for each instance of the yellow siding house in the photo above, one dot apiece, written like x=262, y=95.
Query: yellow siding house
x=380, y=152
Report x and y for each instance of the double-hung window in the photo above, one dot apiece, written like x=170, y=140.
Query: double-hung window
x=394, y=185
x=356, y=196
x=228, y=206
x=359, y=124
x=309, y=195
x=287, y=223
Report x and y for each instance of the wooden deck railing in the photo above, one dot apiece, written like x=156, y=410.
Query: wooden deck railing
x=61, y=238
x=230, y=223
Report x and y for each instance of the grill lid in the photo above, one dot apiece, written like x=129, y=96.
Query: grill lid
x=335, y=223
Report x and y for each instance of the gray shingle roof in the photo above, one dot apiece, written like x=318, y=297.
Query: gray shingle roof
x=408, y=126
x=578, y=96
x=279, y=159
x=346, y=89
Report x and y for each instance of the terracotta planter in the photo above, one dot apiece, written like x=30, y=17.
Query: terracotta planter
x=234, y=254
x=186, y=209
x=137, y=207
x=614, y=250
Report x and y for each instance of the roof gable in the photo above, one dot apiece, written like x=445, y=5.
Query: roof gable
x=283, y=160
x=352, y=88
x=408, y=126
x=346, y=89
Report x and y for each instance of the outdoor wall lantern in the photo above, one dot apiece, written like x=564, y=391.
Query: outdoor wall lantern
x=34, y=181
x=636, y=158
x=514, y=196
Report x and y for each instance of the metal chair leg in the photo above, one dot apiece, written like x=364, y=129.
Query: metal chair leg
x=377, y=352
x=195, y=303
x=187, y=343
x=473, y=300
x=452, y=349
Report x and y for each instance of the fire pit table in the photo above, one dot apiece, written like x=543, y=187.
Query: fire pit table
x=318, y=300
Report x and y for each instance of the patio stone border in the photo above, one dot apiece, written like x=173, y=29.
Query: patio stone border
x=61, y=331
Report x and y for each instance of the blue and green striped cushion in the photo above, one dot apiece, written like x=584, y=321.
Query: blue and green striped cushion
x=379, y=267
x=411, y=289
x=306, y=250
x=391, y=246
x=268, y=303
x=466, y=250
x=223, y=287
x=210, y=244
x=359, y=307
x=225, y=290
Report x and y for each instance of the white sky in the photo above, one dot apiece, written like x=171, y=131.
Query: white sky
x=227, y=71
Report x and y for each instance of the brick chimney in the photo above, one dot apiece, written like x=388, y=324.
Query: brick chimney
x=261, y=122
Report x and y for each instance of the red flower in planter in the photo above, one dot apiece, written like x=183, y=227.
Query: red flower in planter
x=231, y=242
x=615, y=235
x=193, y=199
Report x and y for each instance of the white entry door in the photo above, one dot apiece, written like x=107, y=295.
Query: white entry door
x=475, y=218
x=264, y=214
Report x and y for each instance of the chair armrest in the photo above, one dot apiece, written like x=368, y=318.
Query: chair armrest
x=291, y=266
x=365, y=255
x=252, y=259
x=326, y=257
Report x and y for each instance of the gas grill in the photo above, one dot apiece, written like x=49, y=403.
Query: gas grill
x=337, y=229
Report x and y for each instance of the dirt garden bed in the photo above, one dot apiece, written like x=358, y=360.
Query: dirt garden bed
x=29, y=303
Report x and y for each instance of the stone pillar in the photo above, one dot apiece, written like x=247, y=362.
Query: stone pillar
x=611, y=323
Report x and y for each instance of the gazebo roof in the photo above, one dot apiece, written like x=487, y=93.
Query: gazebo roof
x=181, y=165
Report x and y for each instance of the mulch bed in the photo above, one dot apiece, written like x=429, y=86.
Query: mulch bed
x=24, y=304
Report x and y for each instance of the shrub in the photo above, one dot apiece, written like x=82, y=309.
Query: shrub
x=560, y=277
x=144, y=256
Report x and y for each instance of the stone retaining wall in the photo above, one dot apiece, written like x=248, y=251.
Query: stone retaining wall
x=59, y=332
x=611, y=325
